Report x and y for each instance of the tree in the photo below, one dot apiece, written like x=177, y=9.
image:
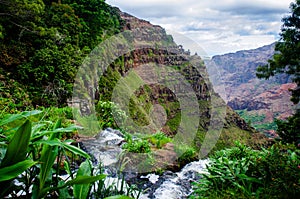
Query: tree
x=21, y=15
x=43, y=43
x=287, y=60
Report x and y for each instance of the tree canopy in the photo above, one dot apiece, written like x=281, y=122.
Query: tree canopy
x=43, y=42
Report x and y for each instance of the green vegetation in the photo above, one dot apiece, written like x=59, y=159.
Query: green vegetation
x=257, y=121
x=136, y=145
x=241, y=172
x=36, y=152
x=159, y=139
x=289, y=130
x=42, y=45
x=188, y=154
x=108, y=113
x=251, y=118
x=149, y=148
x=287, y=60
x=144, y=143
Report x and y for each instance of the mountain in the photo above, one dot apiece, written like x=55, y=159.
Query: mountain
x=44, y=60
x=156, y=47
x=258, y=101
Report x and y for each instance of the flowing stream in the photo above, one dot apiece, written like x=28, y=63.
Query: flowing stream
x=106, y=147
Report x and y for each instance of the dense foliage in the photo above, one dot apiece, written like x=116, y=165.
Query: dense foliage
x=44, y=42
x=241, y=172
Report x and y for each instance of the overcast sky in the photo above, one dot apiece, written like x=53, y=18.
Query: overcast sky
x=217, y=26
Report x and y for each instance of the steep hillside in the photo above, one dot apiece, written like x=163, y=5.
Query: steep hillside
x=41, y=55
x=258, y=101
x=163, y=52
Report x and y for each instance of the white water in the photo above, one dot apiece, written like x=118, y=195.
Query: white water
x=172, y=188
x=106, y=148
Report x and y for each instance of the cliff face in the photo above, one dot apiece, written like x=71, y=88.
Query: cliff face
x=165, y=53
x=268, y=99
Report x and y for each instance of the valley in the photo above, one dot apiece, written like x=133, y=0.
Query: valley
x=98, y=103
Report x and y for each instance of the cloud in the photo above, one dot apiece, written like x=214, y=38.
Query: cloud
x=218, y=26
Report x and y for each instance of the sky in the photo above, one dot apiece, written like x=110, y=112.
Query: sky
x=217, y=27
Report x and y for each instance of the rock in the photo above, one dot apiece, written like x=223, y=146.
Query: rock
x=105, y=146
x=243, y=90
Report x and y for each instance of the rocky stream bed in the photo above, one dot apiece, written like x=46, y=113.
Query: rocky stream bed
x=106, y=148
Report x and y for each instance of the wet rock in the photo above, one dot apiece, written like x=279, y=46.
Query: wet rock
x=105, y=146
x=176, y=185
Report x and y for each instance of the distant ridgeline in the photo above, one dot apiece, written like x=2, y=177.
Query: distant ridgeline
x=257, y=101
x=43, y=49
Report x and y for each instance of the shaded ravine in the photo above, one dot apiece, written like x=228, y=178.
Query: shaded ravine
x=106, y=148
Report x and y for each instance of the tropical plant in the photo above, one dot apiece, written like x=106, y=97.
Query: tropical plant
x=112, y=187
x=34, y=159
x=241, y=172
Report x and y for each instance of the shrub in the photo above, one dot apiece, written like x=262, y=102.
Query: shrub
x=289, y=130
x=241, y=172
x=187, y=154
x=137, y=146
x=159, y=139
x=108, y=113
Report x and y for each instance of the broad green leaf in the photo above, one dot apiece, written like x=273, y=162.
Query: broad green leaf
x=251, y=179
x=85, y=179
x=294, y=156
x=66, y=145
x=47, y=159
x=37, y=127
x=57, y=124
x=17, y=148
x=3, y=144
x=68, y=129
x=64, y=192
x=77, y=180
x=75, y=150
x=82, y=190
x=14, y=170
x=67, y=168
x=118, y=197
x=11, y=118
x=54, y=142
x=48, y=156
